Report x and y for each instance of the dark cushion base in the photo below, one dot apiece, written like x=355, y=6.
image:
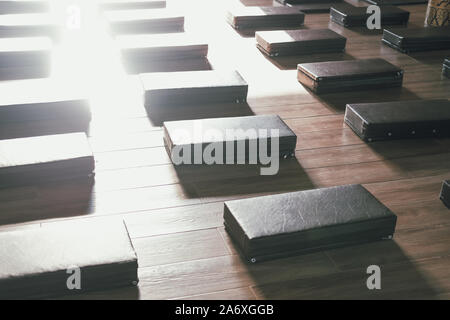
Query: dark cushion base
x=62, y=246
x=417, y=39
x=275, y=17
x=131, y=30
x=399, y=119
x=338, y=86
x=49, y=164
x=348, y=23
x=12, y=130
x=313, y=7
x=20, y=73
x=425, y=47
x=14, y=7
x=188, y=88
x=348, y=15
x=43, y=177
x=287, y=139
x=295, y=52
x=52, y=32
x=348, y=75
x=307, y=1
x=231, y=97
x=131, y=5
x=445, y=193
x=284, y=153
x=273, y=26
x=40, y=287
x=294, y=251
x=301, y=222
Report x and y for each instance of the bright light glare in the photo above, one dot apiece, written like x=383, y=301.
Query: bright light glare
x=87, y=58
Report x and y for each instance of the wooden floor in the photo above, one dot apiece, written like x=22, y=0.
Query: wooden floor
x=174, y=216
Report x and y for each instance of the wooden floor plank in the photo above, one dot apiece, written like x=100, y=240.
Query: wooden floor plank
x=179, y=247
x=421, y=214
x=408, y=245
x=361, y=153
x=222, y=273
x=408, y=191
x=174, y=220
